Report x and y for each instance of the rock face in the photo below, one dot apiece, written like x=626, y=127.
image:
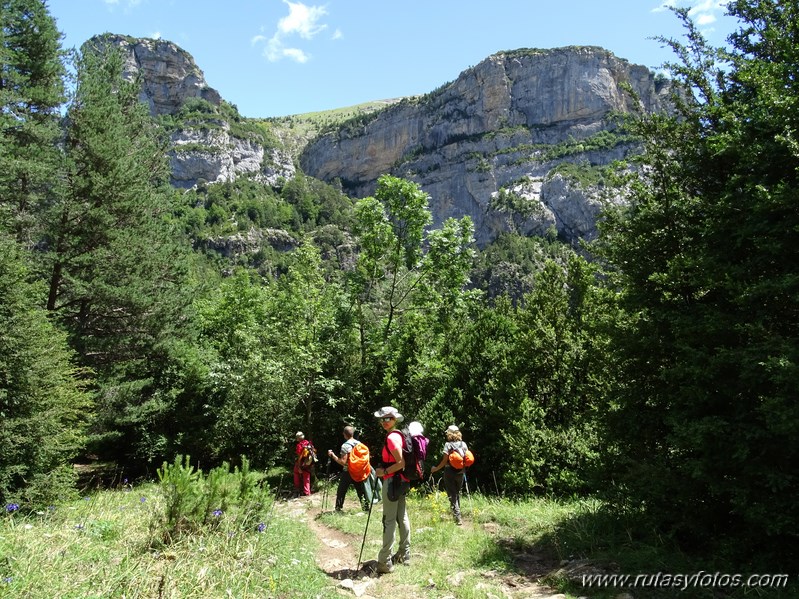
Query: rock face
x=490, y=145
x=168, y=73
x=501, y=127
x=202, y=151
x=213, y=155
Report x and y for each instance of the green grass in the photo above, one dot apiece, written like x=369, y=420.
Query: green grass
x=107, y=545
x=296, y=130
x=112, y=544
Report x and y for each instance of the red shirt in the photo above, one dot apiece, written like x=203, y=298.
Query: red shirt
x=393, y=441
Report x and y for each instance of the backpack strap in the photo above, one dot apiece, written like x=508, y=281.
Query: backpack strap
x=402, y=445
x=351, y=444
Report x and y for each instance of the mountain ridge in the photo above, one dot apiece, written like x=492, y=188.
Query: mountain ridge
x=501, y=143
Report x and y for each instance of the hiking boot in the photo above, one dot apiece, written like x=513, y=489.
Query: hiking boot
x=384, y=568
x=458, y=521
x=405, y=560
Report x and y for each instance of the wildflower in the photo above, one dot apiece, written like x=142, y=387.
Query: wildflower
x=143, y=499
x=217, y=513
x=12, y=507
x=50, y=508
x=79, y=527
x=8, y=579
x=261, y=527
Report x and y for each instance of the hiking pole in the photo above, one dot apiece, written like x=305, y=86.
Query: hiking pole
x=466, y=482
x=368, y=517
x=326, y=491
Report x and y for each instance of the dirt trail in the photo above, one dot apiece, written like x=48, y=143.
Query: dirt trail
x=338, y=558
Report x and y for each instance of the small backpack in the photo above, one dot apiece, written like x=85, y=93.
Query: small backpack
x=414, y=452
x=358, y=463
x=460, y=459
x=309, y=457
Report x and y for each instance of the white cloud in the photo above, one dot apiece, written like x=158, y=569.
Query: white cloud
x=296, y=54
x=707, y=11
x=703, y=12
x=156, y=35
x=303, y=21
x=665, y=5
x=126, y=6
x=337, y=34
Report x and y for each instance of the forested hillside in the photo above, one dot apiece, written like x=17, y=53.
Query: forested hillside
x=655, y=369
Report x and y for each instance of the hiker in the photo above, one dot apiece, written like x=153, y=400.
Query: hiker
x=345, y=478
x=394, y=490
x=453, y=477
x=303, y=463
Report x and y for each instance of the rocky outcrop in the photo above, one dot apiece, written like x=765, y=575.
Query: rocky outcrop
x=251, y=242
x=203, y=151
x=488, y=145
x=168, y=73
x=512, y=118
x=213, y=155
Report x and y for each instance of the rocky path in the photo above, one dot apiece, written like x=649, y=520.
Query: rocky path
x=338, y=558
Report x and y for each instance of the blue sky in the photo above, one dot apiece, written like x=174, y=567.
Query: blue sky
x=280, y=57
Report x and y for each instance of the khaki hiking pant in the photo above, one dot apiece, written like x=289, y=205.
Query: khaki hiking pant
x=394, y=513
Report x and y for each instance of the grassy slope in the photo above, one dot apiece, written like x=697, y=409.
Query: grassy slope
x=296, y=130
x=111, y=544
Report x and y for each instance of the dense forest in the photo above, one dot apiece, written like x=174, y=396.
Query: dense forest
x=656, y=368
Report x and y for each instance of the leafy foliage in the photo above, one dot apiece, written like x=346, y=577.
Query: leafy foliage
x=704, y=421
x=194, y=500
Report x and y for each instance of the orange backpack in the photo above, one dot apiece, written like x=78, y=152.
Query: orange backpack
x=459, y=459
x=358, y=463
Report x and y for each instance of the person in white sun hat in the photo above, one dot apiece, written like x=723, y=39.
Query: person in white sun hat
x=394, y=490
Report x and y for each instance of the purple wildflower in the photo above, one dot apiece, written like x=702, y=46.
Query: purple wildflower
x=217, y=513
x=12, y=507
x=261, y=527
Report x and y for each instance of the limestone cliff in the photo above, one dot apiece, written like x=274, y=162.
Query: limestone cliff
x=499, y=130
x=491, y=144
x=204, y=150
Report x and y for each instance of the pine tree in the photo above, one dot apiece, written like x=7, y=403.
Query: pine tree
x=116, y=266
x=43, y=408
x=31, y=92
